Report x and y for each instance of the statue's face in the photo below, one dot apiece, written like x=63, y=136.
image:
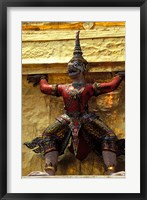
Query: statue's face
x=75, y=69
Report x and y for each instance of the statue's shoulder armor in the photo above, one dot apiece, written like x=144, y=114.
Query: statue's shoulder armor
x=97, y=89
x=62, y=88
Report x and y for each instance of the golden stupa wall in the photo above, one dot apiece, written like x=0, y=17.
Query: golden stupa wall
x=47, y=48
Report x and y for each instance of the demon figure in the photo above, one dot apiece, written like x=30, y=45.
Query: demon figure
x=85, y=130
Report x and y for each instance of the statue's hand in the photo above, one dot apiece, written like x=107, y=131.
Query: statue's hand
x=35, y=78
x=121, y=74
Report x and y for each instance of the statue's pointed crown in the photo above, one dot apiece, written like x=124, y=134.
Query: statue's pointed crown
x=77, y=54
x=77, y=50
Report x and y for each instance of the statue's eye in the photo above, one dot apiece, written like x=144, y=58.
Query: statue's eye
x=77, y=64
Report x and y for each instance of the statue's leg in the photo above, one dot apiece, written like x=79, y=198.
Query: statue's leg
x=51, y=161
x=53, y=135
x=99, y=131
x=51, y=143
x=109, y=152
x=109, y=161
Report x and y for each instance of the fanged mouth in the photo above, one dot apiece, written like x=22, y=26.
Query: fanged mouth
x=73, y=71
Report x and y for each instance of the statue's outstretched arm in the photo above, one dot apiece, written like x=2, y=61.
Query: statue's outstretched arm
x=42, y=80
x=101, y=88
x=47, y=88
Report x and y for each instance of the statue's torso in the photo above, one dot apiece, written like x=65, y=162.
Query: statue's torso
x=76, y=98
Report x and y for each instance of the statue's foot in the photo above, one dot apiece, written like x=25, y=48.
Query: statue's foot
x=38, y=173
x=110, y=170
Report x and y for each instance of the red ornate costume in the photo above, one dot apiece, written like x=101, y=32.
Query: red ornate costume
x=85, y=130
